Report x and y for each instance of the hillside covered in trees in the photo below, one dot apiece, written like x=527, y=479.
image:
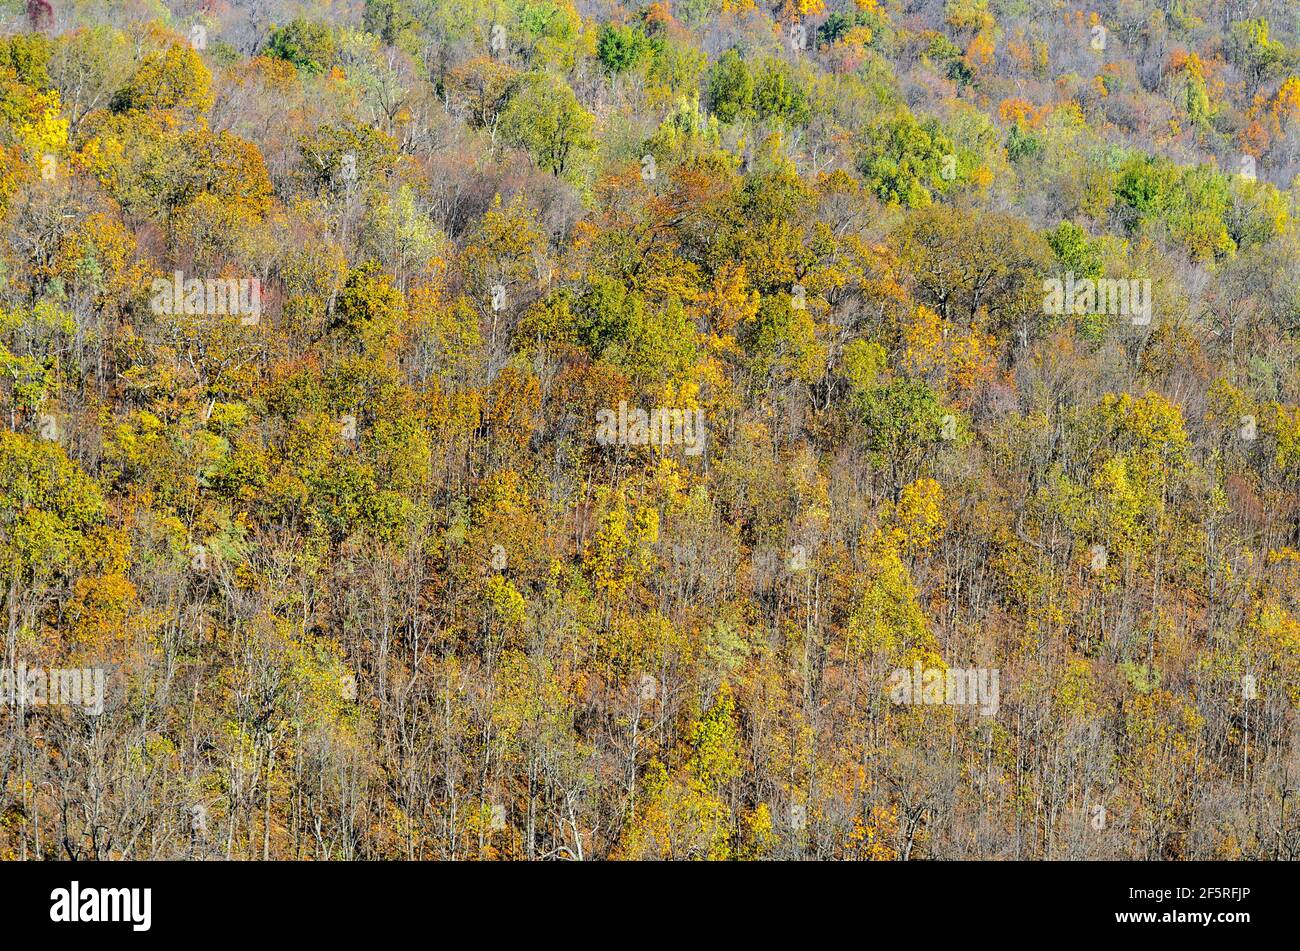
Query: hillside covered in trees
x=571, y=429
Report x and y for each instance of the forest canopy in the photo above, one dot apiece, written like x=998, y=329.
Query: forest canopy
x=708, y=429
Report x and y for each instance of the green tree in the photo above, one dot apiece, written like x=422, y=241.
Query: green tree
x=903, y=160
x=306, y=44
x=621, y=48
x=731, y=87
x=545, y=118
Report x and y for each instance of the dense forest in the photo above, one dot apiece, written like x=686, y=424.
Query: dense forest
x=572, y=429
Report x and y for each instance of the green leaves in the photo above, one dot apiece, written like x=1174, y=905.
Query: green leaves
x=48, y=505
x=731, y=88
x=1023, y=144
x=903, y=161
x=650, y=344
x=545, y=118
x=769, y=92
x=1192, y=203
x=903, y=418
x=1075, y=250
x=621, y=48
x=307, y=44
x=369, y=309
x=391, y=20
